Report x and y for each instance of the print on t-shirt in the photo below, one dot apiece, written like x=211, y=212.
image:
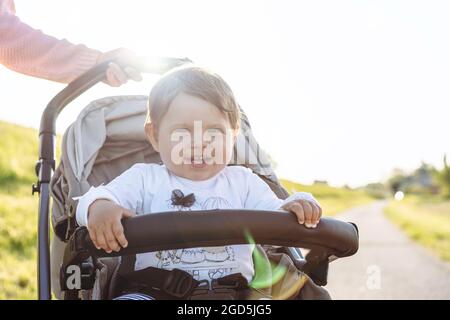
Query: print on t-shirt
x=213, y=261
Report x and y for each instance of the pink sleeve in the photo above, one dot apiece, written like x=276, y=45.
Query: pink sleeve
x=30, y=51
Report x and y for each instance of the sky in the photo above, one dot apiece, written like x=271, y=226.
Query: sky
x=343, y=91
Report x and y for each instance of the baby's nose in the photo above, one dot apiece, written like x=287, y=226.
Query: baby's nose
x=199, y=145
x=198, y=150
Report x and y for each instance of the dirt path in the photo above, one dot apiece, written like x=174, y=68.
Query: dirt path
x=388, y=265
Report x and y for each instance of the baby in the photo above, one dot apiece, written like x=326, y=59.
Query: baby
x=193, y=121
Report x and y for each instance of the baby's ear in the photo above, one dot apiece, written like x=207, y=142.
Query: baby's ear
x=151, y=133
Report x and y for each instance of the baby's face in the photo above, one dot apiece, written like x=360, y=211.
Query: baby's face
x=195, y=139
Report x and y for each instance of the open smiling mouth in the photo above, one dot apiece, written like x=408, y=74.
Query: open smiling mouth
x=198, y=162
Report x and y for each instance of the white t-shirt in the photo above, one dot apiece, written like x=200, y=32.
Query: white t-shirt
x=147, y=188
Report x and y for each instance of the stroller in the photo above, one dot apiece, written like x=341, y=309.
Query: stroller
x=106, y=139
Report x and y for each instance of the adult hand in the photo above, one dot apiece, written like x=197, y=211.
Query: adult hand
x=115, y=74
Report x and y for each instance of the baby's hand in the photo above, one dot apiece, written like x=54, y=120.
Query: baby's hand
x=105, y=226
x=307, y=212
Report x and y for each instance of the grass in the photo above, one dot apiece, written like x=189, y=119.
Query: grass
x=17, y=145
x=426, y=219
x=333, y=200
x=18, y=212
x=18, y=234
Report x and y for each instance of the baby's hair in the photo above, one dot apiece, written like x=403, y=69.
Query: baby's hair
x=195, y=81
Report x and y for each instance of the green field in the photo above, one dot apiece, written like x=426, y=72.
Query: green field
x=426, y=219
x=18, y=209
x=18, y=232
x=18, y=214
x=333, y=200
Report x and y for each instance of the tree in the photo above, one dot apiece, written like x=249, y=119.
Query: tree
x=397, y=181
x=444, y=178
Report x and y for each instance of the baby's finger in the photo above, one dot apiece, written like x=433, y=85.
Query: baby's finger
x=102, y=241
x=298, y=210
x=319, y=208
x=117, y=229
x=111, y=240
x=308, y=213
x=128, y=213
x=320, y=211
x=315, y=217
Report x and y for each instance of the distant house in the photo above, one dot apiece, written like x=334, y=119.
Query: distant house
x=424, y=177
x=421, y=180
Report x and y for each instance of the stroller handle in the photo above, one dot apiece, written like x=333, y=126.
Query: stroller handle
x=188, y=229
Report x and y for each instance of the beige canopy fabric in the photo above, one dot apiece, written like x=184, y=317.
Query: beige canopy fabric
x=105, y=140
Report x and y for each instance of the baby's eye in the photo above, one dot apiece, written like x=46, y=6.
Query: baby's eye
x=183, y=130
x=215, y=131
